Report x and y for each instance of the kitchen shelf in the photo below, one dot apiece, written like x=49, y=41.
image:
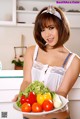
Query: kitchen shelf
x=27, y=11
x=27, y=14
x=24, y=25
x=26, y=17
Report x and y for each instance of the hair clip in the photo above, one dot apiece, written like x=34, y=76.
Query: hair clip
x=53, y=11
x=50, y=10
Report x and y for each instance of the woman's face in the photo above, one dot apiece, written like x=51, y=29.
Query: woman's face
x=50, y=34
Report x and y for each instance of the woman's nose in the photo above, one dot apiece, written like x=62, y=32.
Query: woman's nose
x=47, y=32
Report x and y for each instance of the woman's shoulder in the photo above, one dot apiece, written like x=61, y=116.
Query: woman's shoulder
x=31, y=52
x=76, y=62
x=76, y=57
x=31, y=49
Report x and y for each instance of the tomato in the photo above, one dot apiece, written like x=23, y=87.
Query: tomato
x=40, y=98
x=26, y=107
x=22, y=100
x=32, y=97
x=47, y=105
x=47, y=96
x=36, y=107
x=27, y=100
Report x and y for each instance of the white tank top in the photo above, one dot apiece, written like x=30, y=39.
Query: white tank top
x=52, y=76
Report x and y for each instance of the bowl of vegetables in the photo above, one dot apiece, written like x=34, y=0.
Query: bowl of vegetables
x=37, y=99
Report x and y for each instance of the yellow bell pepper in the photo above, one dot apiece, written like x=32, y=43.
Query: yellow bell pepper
x=42, y=97
x=47, y=96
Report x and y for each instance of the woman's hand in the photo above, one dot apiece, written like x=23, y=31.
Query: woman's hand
x=15, y=98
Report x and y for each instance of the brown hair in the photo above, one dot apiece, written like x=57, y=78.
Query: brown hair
x=62, y=26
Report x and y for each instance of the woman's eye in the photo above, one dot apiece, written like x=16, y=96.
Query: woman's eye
x=52, y=27
x=42, y=30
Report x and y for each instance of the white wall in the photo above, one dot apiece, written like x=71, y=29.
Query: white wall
x=74, y=42
x=10, y=37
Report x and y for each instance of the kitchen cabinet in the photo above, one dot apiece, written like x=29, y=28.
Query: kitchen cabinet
x=74, y=100
x=7, y=111
x=7, y=12
x=23, y=12
x=10, y=81
x=28, y=9
x=26, y=17
x=20, y=12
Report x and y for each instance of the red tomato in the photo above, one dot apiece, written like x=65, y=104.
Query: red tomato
x=47, y=105
x=26, y=107
x=32, y=97
x=27, y=100
x=22, y=100
x=36, y=107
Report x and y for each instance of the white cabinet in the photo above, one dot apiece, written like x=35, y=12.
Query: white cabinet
x=26, y=17
x=7, y=12
x=8, y=112
x=74, y=100
x=10, y=81
x=28, y=9
x=11, y=12
x=23, y=12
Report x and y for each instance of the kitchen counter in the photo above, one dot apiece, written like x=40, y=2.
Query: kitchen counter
x=10, y=81
x=8, y=112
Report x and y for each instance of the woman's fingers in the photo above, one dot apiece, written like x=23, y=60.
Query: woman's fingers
x=15, y=98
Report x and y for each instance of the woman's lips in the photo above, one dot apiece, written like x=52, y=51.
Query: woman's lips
x=50, y=40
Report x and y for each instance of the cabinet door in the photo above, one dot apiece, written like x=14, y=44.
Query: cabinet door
x=7, y=12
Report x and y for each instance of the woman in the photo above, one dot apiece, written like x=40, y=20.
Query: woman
x=50, y=61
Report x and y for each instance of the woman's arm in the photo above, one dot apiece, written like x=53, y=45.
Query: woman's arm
x=70, y=77
x=28, y=60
